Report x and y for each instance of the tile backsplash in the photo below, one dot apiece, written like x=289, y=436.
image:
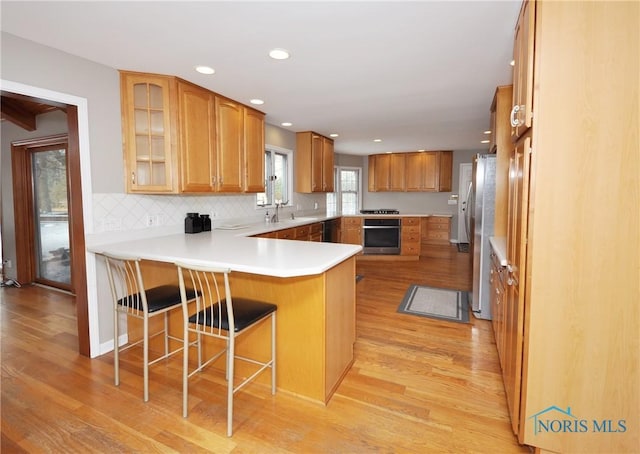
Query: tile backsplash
x=121, y=212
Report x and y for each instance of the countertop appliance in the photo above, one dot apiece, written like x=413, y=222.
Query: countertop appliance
x=479, y=217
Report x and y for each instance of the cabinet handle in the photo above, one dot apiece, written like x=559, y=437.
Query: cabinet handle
x=514, y=112
x=133, y=177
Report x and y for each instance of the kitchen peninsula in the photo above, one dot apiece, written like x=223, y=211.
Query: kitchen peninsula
x=313, y=285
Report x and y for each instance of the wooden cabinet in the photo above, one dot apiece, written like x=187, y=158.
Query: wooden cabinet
x=194, y=141
x=254, y=179
x=315, y=232
x=521, y=113
x=502, y=146
x=429, y=171
x=421, y=171
x=314, y=159
x=410, y=238
x=351, y=230
x=497, y=301
x=148, y=132
x=570, y=287
x=436, y=230
x=229, y=117
x=198, y=166
x=387, y=172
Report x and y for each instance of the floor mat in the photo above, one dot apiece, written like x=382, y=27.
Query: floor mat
x=442, y=304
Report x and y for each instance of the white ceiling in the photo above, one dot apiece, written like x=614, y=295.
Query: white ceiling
x=418, y=75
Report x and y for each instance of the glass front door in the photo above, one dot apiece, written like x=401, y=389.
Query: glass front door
x=51, y=216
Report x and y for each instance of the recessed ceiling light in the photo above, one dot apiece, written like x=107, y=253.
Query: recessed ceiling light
x=286, y=123
x=257, y=102
x=485, y=141
x=205, y=69
x=279, y=54
x=333, y=135
x=487, y=132
x=512, y=62
x=377, y=140
x=422, y=149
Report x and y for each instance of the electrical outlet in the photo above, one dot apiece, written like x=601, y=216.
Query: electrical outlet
x=7, y=263
x=150, y=220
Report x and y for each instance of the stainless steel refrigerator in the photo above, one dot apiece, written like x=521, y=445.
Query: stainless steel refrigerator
x=479, y=217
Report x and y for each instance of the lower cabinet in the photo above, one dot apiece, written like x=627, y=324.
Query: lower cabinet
x=410, y=236
x=351, y=230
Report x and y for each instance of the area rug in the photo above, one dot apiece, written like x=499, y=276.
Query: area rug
x=441, y=304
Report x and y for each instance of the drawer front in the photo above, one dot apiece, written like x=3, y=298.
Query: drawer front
x=410, y=237
x=286, y=234
x=302, y=232
x=317, y=237
x=438, y=220
x=315, y=228
x=412, y=229
x=438, y=235
x=439, y=226
x=410, y=221
x=410, y=249
x=352, y=222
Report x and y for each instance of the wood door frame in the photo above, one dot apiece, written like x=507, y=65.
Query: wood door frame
x=23, y=202
x=76, y=230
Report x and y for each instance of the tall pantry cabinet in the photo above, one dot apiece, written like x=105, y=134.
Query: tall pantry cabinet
x=574, y=230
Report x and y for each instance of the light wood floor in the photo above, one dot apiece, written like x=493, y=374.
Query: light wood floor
x=417, y=385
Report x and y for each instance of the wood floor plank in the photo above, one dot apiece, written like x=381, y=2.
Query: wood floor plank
x=417, y=385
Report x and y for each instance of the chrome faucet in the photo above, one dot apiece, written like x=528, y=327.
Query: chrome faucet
x=275, y=217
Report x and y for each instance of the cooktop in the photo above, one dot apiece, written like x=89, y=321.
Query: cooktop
x=380, y=211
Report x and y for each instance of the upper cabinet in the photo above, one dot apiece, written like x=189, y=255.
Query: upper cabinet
x=148, y=121
x=253, y=151
x=314, y=163
x=194, y=141
x=521, y=110
x=428, y=171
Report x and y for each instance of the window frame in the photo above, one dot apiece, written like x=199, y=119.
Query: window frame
x=273, y=149
x=338, y=188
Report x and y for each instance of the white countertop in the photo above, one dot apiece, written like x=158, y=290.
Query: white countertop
x=235, y=249
x=499, y=245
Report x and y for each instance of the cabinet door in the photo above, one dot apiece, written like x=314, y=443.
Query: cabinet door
x=372, y=173
x=197, y=134
x=351, y=230
x=253, y=151
x=516, y=258
x=421, y=172
x=327, y=165
x=445, y=170
x=414, y=173
x=147, y=132
x=382, y=169
x=521, y=114
x=430, y=169
x=397, y=171
x=316, y=163
x=230, y=144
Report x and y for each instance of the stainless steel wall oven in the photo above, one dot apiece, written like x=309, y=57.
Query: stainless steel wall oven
x=381, y=236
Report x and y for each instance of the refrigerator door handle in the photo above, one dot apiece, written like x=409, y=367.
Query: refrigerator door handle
x=467, y=216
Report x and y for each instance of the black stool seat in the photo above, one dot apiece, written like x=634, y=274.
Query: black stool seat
x=245, y=313
x=158, y=298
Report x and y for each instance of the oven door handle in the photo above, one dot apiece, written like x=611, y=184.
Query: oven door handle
x=381, y=227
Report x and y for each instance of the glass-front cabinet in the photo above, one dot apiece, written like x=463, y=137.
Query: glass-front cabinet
x=147, y=128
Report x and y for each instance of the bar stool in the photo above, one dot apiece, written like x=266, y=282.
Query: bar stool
x=220, y=316
x=131, y=298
